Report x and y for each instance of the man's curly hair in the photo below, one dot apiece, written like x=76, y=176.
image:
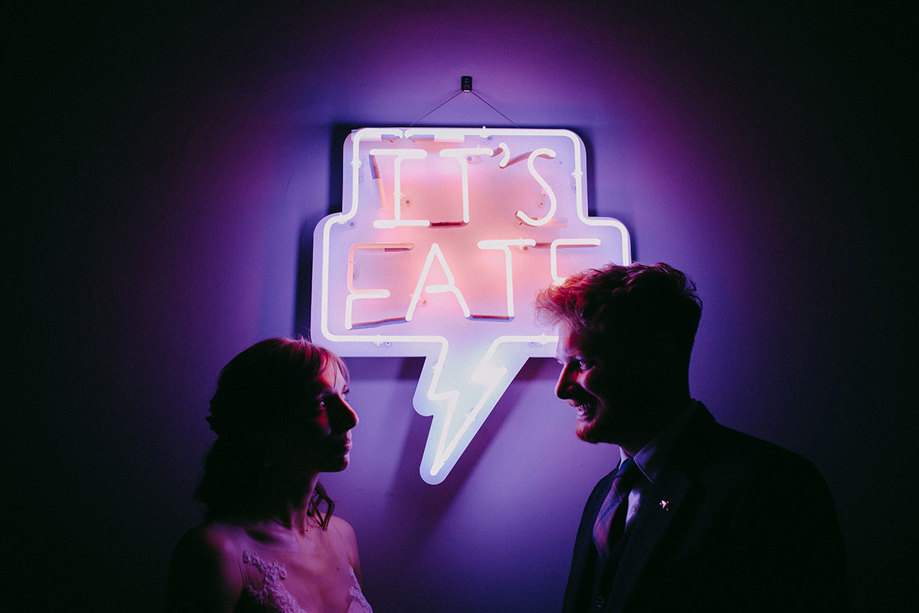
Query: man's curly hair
x=625, y=303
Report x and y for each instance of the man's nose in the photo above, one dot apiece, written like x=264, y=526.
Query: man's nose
x=564, y=384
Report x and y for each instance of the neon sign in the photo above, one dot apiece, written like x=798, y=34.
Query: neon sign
x=445, y=237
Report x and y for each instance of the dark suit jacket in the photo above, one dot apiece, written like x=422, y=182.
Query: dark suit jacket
x=732, y=523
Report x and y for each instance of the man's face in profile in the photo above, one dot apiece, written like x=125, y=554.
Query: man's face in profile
x=605, y=390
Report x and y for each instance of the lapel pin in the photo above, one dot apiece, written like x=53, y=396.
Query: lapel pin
x=665, y=505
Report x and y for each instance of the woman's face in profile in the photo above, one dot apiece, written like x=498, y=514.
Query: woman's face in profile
x=319, y=436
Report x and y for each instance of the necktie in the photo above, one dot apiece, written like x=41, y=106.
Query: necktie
x=618, y=493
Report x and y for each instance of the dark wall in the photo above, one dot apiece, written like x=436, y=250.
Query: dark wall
x=167, y=165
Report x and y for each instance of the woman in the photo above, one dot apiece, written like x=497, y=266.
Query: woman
x=270, y=542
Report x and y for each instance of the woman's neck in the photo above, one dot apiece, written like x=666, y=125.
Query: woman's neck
x=293, y=511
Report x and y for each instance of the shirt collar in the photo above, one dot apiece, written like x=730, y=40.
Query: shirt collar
x=650, y=457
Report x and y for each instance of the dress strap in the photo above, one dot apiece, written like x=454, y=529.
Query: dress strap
x=359, y=603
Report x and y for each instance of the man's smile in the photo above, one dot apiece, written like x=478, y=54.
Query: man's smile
x=585, y=410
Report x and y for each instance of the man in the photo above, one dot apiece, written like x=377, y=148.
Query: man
x=697, y=517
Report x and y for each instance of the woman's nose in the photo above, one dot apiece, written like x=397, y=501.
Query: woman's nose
x=344, y=418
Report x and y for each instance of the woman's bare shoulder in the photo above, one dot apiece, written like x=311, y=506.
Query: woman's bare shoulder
x=340, y=525
x=345, y=532
x=213, y=533
x=343, y=529
x=204, y=574
x=214, y=541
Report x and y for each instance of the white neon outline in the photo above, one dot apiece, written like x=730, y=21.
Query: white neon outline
x=490, y=377
x=400, y=155
x=505, y=245
x=461, y=154
x=442, y=135
x=546, y=153
x=449, y=286
x=566, y=242
x=366, y=294
x=437, y=475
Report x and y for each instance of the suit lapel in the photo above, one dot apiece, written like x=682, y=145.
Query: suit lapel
x=579, y=578
x=664, y=501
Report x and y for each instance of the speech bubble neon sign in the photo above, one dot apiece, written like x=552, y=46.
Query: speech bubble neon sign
x=445, y=237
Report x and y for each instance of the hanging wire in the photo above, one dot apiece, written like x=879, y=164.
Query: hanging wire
x=435, y=108
x=491, y=106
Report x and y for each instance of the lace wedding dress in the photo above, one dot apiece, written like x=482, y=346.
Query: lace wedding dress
x=273, y=596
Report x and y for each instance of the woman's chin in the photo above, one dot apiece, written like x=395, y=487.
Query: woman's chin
x=338, y=464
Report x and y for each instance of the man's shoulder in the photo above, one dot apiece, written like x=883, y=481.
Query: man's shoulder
x=737, y=445
x=715, y=451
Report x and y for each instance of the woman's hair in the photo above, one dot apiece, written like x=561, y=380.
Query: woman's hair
x=259, y=390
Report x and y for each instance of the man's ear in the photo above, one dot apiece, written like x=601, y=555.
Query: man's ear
x=660, y=357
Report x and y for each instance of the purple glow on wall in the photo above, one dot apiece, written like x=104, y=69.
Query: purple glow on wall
x=182, y=160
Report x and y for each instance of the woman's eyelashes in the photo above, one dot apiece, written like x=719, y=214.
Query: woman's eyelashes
x=328, y=400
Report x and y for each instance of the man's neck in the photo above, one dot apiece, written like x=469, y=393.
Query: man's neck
x=660, y=414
